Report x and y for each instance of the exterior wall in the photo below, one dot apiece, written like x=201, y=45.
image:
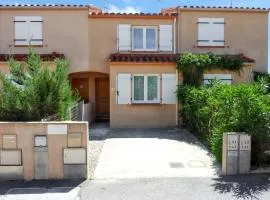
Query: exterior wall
x=4, y=67
x=245, y=32
x=140, y=115
x=56, y=143
x=103, y=38
x=64, y=31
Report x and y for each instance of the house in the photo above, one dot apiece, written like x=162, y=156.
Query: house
x=124, y=65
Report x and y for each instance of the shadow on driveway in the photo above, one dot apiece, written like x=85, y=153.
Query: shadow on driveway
x=243, y=187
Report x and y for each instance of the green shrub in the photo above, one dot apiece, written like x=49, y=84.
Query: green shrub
x=32, y=91
x=211, y=111
x=193, y=65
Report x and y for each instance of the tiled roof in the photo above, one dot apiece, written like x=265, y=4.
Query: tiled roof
x=45, y=5
x=119, y=57
x=244, y=58
x=174, y=9
x=109, y=14
x=162, y=58
x=23, y=57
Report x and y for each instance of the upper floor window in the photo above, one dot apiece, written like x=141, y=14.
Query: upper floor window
x=145, y=38
x=28, y=30
x=211, y=32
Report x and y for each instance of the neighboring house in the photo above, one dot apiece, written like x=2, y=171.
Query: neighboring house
x=223, y=30
x=123, y=65
x=48, y=28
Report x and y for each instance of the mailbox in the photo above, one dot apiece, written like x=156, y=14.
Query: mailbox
x=9, y=141
x=74, y=140
x=10, y=157
x=75, y=156
x=40, y=141
x=244, y=154
x=236, y=153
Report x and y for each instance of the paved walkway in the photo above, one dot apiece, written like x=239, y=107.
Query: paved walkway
x=153, y=153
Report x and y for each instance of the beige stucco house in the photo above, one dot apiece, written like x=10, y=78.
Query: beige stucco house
x=123, y=65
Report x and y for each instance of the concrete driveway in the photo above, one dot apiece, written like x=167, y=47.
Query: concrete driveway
x=153, y=153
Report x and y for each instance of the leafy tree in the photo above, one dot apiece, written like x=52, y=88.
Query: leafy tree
x=33, y=91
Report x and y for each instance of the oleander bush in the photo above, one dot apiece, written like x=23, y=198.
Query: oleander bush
x=209, y=111
x=32, y=91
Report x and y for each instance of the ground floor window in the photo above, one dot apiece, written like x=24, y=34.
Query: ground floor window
x=146, y=88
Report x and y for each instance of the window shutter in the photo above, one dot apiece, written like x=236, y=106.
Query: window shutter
x=204, y=36
x=224, y=78
x=21, y=31
x=169, y=87
x=35, y=31
x=165, y=37
x=123, y=88
x=124, y=37
x=217, y=32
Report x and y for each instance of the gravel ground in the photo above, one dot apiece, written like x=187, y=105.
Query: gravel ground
x=97, y=137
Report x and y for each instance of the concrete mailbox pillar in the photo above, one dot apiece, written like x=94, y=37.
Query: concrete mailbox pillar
x=236, y=153
x=244, y=153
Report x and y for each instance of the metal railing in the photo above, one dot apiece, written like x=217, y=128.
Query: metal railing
x=76, y=113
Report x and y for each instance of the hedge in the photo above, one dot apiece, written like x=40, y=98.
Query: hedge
x=209, y=111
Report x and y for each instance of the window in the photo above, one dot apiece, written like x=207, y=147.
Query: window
x=211, y=32
x=223, y=78
x=28, y=30
x=146, y=88
x=144, y=38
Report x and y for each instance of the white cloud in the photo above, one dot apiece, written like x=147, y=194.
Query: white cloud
x=127, y=9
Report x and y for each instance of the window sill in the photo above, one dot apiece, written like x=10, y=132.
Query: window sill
x=28, y=45
x=145, y=103
x=144, y=51
x=210, y=46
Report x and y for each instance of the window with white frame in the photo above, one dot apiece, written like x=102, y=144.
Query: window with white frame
x=146, y=88
x=28, y=30
x=144, y=38
x=211, y=32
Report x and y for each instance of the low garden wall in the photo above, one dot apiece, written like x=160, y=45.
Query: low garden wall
x=43, y=150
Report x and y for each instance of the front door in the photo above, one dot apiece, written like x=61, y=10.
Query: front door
x=102, y=99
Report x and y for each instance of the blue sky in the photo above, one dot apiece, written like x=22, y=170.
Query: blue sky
x=144, y=5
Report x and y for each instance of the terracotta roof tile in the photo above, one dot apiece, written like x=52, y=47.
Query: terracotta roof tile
x=162, y=58
x=133, y=14
x=23, y=57
x=119, y=57
x=172, y=10
x=48, y=6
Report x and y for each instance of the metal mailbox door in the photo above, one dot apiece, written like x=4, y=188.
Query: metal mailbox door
x=41, y=157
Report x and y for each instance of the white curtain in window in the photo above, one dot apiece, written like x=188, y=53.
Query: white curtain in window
x=150, y=38
x=138, y=38
x=139, y=88
x=152, y=88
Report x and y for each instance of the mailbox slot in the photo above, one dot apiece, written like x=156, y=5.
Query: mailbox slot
x=40, y=140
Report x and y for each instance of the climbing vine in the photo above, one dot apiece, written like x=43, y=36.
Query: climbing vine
x=193, y=65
